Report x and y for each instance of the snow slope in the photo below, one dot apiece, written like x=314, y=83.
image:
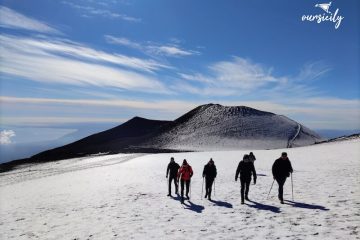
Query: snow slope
x=213, y=126
x=124, y=197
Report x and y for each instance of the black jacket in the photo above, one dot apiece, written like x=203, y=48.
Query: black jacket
x=245, y=169
x=282, y=168
x=173, y=168
x=210, y=171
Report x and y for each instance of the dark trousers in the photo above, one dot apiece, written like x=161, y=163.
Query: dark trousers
x=208, y=186
x=171, y=178
x=245, y=184
x=281, y=182
x=187, y=184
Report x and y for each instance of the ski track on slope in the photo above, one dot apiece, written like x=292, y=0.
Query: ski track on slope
x=128, y=200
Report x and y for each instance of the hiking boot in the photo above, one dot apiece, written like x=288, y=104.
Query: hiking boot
x=246, y=198
x=182, y=199
x=206, y=195
x=242, y=202
x=169, y=195
x=187, y=197
x=282, y=201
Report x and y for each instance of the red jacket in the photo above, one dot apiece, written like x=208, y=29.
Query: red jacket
x=186, y=172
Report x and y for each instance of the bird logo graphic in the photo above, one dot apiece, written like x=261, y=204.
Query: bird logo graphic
x=324, y=6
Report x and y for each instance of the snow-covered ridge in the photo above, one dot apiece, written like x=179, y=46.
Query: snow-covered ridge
x=343, y=138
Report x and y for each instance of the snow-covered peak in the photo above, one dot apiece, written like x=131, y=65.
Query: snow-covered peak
x=233, y=110
x=207, y=127
x=217, y=127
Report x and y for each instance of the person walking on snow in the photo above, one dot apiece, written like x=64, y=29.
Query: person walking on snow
x=245, y=169
x=184, y=174
x=172, y=168
x=209, y=174
x=281, y=169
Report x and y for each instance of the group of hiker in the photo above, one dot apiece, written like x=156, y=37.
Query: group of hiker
x=281, y=169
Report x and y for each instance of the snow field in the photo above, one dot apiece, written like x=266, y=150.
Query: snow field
x=124, y=197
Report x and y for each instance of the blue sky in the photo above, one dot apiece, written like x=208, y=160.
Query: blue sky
x=86, y=61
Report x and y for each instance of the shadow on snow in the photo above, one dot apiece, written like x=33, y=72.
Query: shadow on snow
x=261, y=175
x=222, y=204
x=193, y=207
x=305, y=205
x=177, y=197
x=261, y=206
x=189, y=205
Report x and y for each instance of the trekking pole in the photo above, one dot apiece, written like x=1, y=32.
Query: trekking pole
x=270, y=189
x=292, y=187
x=202, y=189
x=167, y=183
x=240, y=186
x=214, y=188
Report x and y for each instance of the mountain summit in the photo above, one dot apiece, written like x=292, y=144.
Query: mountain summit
x=207, y=127
x=217, y=127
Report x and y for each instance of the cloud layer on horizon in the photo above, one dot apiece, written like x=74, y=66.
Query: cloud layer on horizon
x=318, y=113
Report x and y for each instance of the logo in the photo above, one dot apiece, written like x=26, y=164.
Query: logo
x=326, y=16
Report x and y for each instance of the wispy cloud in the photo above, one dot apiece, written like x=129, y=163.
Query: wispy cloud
x=226, y=78
x=312, y=71
x=240, y=76
x=169, y=105
x=92, y=11
x=169, y=50
x=123, y=41
x=62, y=61
x=51, y=46
x=43, y=121
x=14, y=20
x=6, y=135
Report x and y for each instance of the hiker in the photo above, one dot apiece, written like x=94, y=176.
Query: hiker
x=172, y=168
x=252, y=157
x=209, y=174
x=281, y=169
x=185, y=173
x=245, y=169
